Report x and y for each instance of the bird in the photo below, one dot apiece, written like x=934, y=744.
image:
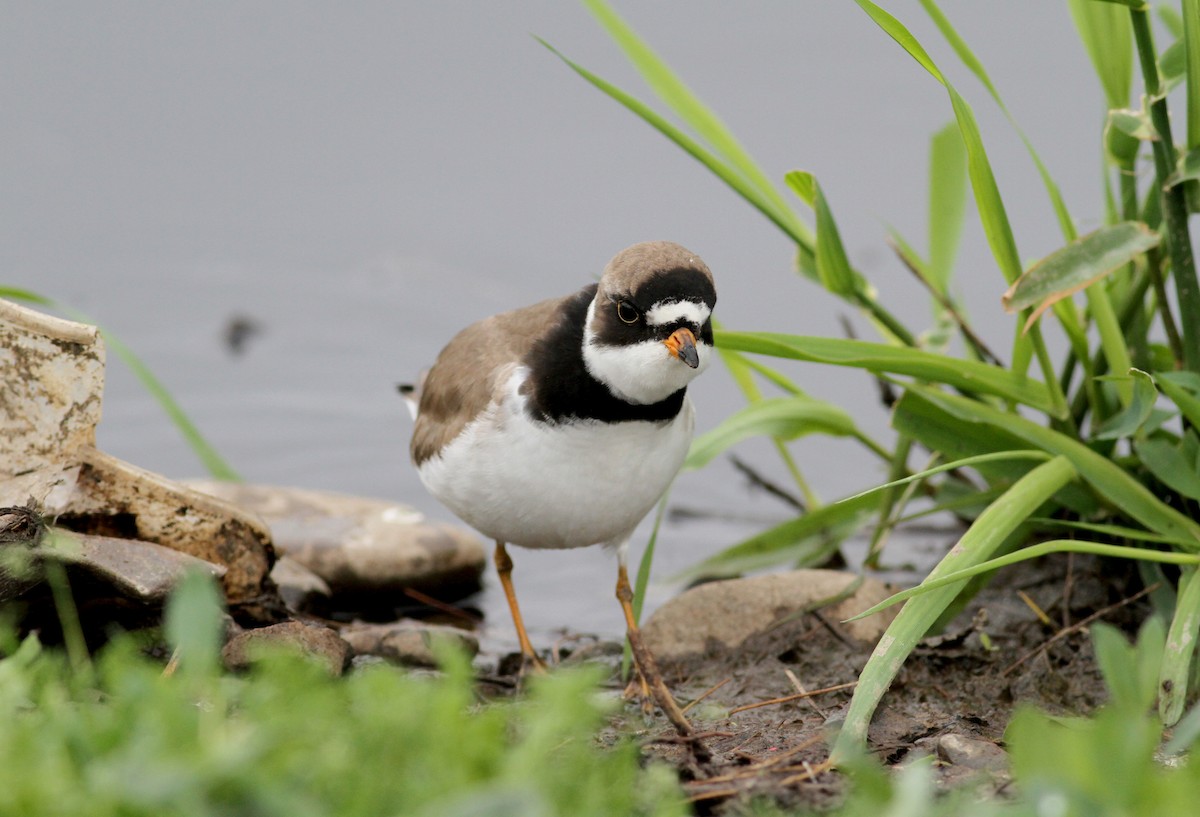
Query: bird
x=563, y=423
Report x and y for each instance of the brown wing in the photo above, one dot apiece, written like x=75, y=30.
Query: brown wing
x=470, y=372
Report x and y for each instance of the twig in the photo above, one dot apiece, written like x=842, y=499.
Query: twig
x=799, y=687
x=759, y=481
x=441, y=606
x=797, y=697
x=948, y=305
x=1066, y=631
x=710, y=691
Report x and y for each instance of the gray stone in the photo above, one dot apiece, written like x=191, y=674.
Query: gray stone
x=316, y=641
x=407, y=642
x=367, y=550
x=728, y=612
x=301, y=589
x=132, y=569
x=972, y=753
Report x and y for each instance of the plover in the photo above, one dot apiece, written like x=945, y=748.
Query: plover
x=561, y=424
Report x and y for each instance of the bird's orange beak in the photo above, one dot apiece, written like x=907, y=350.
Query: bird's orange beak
x=682, y=344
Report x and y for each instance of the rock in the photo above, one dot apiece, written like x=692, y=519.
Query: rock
x=366, y=550
x=728, y=612
x=138, y=571
x=142, y=571
x=407, y=642
x=50, y=401
x=301, y=589
x=972, y=753
x=318, y=642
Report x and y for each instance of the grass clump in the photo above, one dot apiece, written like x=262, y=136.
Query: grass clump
x=1095, y=452
x=120, y=738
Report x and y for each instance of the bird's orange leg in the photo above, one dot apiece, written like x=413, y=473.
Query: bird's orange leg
x=646, y=664
x=504, y=568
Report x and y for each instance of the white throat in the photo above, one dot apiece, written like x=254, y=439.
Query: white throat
x=643, y=373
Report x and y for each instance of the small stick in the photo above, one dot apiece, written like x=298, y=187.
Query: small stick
x=1063, y=633
x=440, y=606
x=797, y=697
x=799, y=687
x=710, y=691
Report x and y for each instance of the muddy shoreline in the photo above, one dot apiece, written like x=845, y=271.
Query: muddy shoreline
x=1022, y=640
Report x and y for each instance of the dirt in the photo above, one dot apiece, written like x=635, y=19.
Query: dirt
x=952, y=699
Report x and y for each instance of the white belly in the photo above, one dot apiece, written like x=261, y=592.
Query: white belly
x=544, y=486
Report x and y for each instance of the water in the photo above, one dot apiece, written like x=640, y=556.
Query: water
x=362, y=182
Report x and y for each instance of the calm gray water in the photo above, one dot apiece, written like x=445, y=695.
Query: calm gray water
x=363, y=181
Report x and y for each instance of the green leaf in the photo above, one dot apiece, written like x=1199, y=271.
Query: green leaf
x=1105, y=32
x=968, y=375
x=992, y=527
x=1078, y=265
x=1180, y=648
x=1111, y=482
x=1182, y=388
x=1130, y=670
x=833, y=267
x=779, y=417
x=785, y=219
x=947, y=197
x=1033, y=552
x=1130, y=419
x=193, y=623
x=805, y=540
x=940, y=430
x=1188, y=168
x=1132, y=123
x=1167, y=463
x=988, y=201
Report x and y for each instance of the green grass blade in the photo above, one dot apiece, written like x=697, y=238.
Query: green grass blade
x=672, y=91
x=805, y=540
x=968, y=375
x=833, y=267
x=741, y=368
x=947, y=197
x=1180, y=649
x=28, y=296
x=1169, y=466
x=784, y=219
x=1111, y=482
x=778, y=417
x=1065, y=222
x=1130, y=419
x=1035, y=552
x=642, y=580
x=1000, y=519
x=214, y=462
x=1104, y=30
x=1115, y=531
x=988, y=201
x=1182, y=388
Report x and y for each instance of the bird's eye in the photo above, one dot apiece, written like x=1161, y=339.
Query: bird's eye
x=627, y=312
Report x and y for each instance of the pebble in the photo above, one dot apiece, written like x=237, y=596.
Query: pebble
x=726, y=613
x=971, y=753
x=407, y=642
x=316, y=641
